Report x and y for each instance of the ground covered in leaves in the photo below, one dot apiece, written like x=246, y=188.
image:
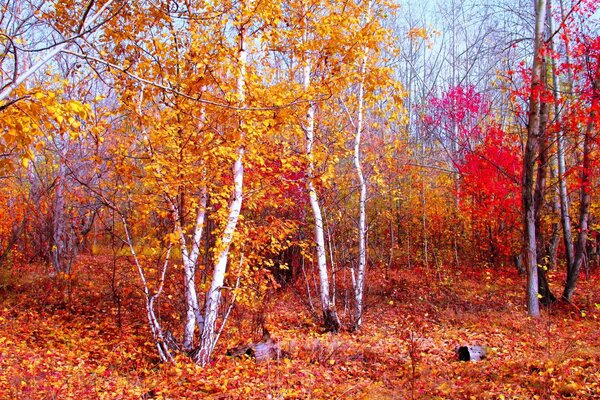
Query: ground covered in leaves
x=78, y=337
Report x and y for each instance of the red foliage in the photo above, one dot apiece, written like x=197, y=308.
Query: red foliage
x=489, y=165
x=489, y=193
x=282, y=183
x=457, y=113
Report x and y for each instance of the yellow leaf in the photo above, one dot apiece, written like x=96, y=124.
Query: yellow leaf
x=75, y=124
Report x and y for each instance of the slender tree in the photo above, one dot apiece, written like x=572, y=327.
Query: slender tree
x=585, y=195
x=359, y=277
x=529, y=159
x=565, y=218
x=330, y=317
x=209, y=332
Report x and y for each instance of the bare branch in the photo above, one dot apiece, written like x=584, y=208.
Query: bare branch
x=61, y=47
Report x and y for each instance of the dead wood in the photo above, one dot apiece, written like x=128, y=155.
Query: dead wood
x=263, y=350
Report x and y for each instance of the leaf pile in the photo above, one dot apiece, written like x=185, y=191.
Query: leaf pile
x=65, y=338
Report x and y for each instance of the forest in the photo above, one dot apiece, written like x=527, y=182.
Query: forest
x=302, y=199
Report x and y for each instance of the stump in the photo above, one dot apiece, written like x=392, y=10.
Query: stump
x=263, y=350
x=471, y=352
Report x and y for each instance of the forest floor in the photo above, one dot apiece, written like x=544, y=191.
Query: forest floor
x=63, y=338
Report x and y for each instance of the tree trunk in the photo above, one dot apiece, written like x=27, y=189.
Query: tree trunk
x=529, y=237
x=545, y=295
x=359, y=282
x=584, y=206
x=159, y=338
x=529, y=159
x=190, y=260
x=552, y=248
x=330, y=318
x=64, y=241
x=565, y=218
x=209, y=333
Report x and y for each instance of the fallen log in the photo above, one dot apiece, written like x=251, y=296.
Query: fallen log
x=263, y=350
x=471, y=352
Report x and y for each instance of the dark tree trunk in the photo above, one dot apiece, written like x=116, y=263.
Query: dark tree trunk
x=543, y=257
x=546, y=296
x=331, y=323
x=584, y=206
x=529, y=159
x=518, y=261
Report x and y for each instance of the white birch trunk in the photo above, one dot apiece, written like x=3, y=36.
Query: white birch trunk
x=359, y=283
x=331, y=321
x=190, y=261
x=189, y=254
x=159, y=338
x=59, y=234
x=564, y=198
x=213, y=300
x=531, y=149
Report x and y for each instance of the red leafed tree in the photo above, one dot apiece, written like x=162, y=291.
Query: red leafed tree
x=487, y=164
x=583, y=118
x=489, y=195
x=455, y=119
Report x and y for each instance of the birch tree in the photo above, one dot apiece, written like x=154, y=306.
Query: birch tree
x=359, y=280
x=201, y=106
x=590, y=128
x=529, y=159
x=560, y=148
x=330, y=317
x=208, y=338
x=358, y=275
x=567, y=107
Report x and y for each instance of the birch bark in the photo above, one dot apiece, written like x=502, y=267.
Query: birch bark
x=190, y=261
x=584, y=203
x=359, y=282
x=330, y=318
x=209, y=336
x=565, y=217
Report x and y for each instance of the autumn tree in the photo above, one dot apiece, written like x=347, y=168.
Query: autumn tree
x=37, y=108
x=200, y=105
x=590, y=95
x=534, y=131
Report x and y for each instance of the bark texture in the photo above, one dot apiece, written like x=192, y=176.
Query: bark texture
x=209, y=332
x=529, y=160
